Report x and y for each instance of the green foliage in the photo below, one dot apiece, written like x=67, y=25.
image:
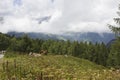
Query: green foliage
x=36, y=45
x=114, y=53
x=4, y=42
x=114, y=56
x=26, y=44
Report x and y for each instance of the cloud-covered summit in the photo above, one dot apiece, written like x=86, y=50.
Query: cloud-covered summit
x=56, y=16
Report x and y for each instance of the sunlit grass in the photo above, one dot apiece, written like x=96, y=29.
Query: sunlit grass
x=58, y=66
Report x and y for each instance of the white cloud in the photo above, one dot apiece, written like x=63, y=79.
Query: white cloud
x=67, y=15
x=87, y=27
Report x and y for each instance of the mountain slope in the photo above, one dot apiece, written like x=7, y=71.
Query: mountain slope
x=59, y=67
x=90, y=36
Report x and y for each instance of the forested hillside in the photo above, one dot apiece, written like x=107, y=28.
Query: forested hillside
x=98, y=53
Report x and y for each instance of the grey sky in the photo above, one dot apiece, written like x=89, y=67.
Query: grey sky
x=66, y=15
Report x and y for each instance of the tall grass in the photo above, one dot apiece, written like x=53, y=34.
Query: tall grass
x=24, y=67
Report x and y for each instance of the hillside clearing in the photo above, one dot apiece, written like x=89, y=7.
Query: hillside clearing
x=58, y=66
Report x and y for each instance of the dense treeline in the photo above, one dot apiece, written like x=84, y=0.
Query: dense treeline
x=97, y=53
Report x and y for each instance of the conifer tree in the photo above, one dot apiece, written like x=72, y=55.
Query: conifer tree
x=116, y=29
x=114, y=55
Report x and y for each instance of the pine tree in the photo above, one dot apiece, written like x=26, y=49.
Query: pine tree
x=116, y=29
x=4, y=42
x=114, y=55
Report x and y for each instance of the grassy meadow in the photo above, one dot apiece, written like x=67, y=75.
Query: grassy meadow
x=53, y=67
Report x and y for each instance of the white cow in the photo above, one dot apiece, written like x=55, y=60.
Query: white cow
x=34, y=54
x=1, y=55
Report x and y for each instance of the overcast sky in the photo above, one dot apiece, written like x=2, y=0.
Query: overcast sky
x=57, y=16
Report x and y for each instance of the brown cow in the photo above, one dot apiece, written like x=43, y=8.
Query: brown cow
x=44, y=52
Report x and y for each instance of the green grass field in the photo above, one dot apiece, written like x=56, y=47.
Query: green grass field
x=53, y=67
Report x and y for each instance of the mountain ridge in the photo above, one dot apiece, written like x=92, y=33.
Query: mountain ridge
x=72, y=36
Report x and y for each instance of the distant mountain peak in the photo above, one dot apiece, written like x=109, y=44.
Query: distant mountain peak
x=90, y=36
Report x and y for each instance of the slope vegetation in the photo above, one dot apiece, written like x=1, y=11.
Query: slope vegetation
x=55, y=67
